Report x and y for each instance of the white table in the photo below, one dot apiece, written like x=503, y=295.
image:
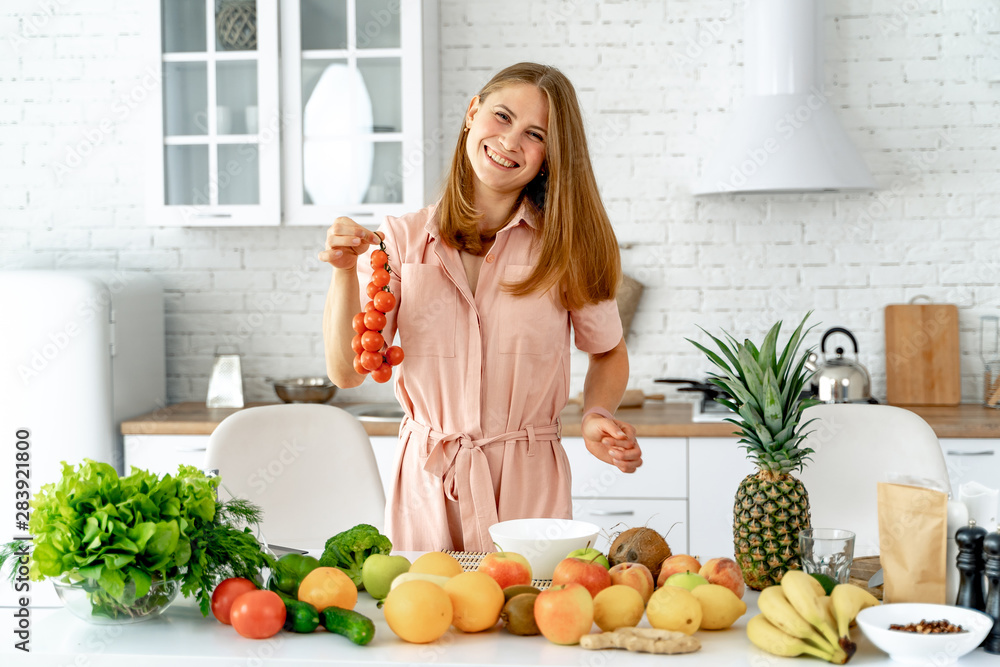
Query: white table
x=183, y=637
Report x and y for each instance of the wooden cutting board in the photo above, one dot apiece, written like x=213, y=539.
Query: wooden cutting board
x=921, y=354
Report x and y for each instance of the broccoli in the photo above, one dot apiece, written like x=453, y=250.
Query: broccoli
x=349, y=550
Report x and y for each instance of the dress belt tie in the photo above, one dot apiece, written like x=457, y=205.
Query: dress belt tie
x=458, y=460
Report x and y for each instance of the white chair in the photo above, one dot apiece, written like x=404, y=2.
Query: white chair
x=856, y=447
x=309, y=467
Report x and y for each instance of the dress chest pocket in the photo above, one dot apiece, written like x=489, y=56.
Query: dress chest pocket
x=535, y=323
x=428, y=311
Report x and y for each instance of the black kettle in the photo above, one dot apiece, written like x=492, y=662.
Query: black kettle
x=839, y=379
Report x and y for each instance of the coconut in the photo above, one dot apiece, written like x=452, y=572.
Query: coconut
x=640, y=545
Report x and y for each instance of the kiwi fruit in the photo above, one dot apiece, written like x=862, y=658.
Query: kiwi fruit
x=518, y=589
x=518, y=615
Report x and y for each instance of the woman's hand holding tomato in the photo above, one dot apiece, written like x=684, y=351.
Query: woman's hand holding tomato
x=345, y=241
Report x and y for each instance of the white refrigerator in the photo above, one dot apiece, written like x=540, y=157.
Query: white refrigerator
x=80, y=351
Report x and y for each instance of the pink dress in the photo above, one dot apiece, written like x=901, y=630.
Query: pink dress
x=482, y=383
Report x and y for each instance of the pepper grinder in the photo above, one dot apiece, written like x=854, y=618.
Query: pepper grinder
x=991, y=550
x=970, y=566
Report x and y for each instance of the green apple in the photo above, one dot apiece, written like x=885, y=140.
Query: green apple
x=688, y=580
x=590, y=554
x=378, y=572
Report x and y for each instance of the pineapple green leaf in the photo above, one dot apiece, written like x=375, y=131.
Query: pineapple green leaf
x=767, y=348
x=713, y=357
x=772, y=402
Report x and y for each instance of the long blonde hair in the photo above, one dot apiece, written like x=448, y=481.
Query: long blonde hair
x=578, y=251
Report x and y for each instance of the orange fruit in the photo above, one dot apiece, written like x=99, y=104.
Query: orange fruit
x=437, y=562
x=328, y=587
x=418, y=611
x=476, y=599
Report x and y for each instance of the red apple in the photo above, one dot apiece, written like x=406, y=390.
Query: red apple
x=564, y=613
x=677, y=563
x=724, y=572
x=507, y=568
x=589, y=574
x=635, y=575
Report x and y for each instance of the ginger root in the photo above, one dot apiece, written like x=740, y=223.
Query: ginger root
x=645, y=640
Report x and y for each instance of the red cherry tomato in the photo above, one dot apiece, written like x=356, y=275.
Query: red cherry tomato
x=372, y=341
x=371, y=360
x=370, y=306
x=358, y=368
x=372, y=290
x=382, y=374
x=258, y=614
x=225, y=593
x=394, y=355
x=356, y=344
x=384, y=301
x=380, y=277
x=358, y=323
x=379, y=259
x=374, y=321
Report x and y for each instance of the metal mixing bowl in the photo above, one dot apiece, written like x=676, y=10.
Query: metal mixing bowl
x=305, y=390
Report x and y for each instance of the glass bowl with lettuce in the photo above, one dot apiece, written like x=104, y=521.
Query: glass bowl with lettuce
x=120, y=549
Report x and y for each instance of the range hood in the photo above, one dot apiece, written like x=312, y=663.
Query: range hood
x=784, y=135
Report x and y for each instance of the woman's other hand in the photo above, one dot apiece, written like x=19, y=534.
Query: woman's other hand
x=345, y=240
x=612, y=441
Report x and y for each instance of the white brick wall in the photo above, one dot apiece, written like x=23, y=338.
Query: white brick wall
x=918, y=84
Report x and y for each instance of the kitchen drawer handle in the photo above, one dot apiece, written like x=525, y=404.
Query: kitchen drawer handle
x=193, y=448
x=985, y=452
x=612, y=512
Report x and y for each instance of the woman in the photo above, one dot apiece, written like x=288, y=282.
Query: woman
x=489, y=281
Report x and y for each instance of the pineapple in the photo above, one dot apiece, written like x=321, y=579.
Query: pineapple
x=771, y=506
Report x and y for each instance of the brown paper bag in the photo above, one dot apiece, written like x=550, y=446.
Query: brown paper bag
x=913, y=541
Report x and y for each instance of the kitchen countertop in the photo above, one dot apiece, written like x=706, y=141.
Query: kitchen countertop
x=183, y=636
x=654, y=419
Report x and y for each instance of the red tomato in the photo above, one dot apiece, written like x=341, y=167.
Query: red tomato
x=380, y=277
x=372, y=290
x=371, y=360
x=358, y=323
x=370, y=306
x=374, y=321
x=356, y=344
x=383, y=373
x=372, y=341
x=258, y=614
x=379, y=259
x=224, y=594
x=394, y=355
x=384, y=301
x=358, y=368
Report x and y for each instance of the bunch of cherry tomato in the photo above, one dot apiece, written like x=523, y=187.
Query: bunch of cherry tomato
x=372, y=354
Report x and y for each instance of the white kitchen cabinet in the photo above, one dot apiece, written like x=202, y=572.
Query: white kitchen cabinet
x=162, y=454
x=717, y=466
x=654, y=496
x=972, y=460
x=296, y=111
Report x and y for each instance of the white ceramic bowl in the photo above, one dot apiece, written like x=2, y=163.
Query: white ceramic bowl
x=544, y=542
x=916, y=649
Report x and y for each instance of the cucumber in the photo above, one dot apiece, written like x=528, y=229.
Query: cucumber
x=349, y=623
x=300, y=616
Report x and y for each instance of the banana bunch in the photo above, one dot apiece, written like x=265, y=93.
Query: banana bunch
x=797, y=618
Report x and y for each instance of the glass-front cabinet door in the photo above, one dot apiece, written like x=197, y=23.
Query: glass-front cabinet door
x=353, y=78
x=216, y=158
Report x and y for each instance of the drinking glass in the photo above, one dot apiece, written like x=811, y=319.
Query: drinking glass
x=828, y=551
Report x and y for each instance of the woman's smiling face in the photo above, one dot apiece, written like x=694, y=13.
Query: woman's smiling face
x=506, y=142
